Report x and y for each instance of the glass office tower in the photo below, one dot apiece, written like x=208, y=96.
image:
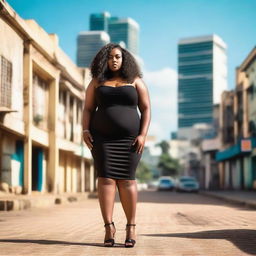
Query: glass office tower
x=125, y=31
x=88, y=44
x=121, y=31
x=99, y=21
x=202, y=76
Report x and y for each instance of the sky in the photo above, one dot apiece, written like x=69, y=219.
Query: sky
x=162, y=24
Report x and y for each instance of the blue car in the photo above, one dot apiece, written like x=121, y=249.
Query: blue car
x=188, y=184
x=166, y=183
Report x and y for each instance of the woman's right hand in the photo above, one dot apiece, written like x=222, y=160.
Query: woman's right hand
x=88, y=139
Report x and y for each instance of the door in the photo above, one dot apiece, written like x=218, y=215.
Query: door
x=254, y=172
x=37, y=168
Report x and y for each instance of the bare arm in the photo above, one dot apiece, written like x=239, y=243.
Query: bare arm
x=89, y=108
x=144, y=106
x=145, y=110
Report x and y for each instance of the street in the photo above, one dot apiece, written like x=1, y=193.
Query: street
x=168, y=223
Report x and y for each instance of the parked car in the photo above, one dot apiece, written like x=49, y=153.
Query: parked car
x=142, y=186
x=153, y=184
x=187, y=183
x=166, y=183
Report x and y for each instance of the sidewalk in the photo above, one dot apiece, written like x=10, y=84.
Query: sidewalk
x=242, y=197
x=168, y=223
x=9, y=202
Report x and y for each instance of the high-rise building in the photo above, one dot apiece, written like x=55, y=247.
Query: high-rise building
x=121, y=31
x=124, y=31
x=202, y=77
x=88, y=44
x=105, y=29
x=99, y=21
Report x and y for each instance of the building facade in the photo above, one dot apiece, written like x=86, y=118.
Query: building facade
x=202, y=76
x=41, y=102
x=126, y=32
x=123, y=31
x=237, y=156
x=99, y=21
x=88, y=44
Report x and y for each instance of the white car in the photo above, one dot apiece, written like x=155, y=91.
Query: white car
x=166, y=183
x=187, y=183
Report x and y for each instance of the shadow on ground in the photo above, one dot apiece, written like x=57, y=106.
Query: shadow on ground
x=244, y=239
x=54, y=242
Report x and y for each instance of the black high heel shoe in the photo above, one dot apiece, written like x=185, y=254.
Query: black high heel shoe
x=128, y=241
x=110, y=242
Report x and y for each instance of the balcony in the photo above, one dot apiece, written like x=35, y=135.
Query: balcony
x=6, y=110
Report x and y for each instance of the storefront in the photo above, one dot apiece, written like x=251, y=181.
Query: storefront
x=238, y=165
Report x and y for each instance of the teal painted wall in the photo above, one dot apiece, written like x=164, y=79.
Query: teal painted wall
x=247, y=173
x=19, y=156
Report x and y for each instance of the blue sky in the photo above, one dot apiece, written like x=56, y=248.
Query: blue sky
x=162, y=24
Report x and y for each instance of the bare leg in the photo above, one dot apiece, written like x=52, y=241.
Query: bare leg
x=106, y=194
x=128, y=196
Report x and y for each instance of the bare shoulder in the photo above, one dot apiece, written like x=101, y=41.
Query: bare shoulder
x=139, y=83
x=93, y=84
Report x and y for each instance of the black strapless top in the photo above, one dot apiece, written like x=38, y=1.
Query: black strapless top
x=117, y=113
x=125, y=95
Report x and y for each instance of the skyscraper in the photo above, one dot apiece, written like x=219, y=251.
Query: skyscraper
x=202, y=74
x=99, y=21
x=125, y=31
x=88, y=44
x=105, y=29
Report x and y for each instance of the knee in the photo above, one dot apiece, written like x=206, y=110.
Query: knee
x=127, y=183
x=106, y=181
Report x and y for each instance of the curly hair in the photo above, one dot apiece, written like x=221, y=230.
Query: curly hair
x=100, y=70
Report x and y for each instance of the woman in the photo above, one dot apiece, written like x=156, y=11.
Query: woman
x=115, y=133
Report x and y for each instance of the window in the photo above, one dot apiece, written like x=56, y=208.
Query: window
x=40, y=100
x=62, y=106
x=250, y=91
x=5, y=83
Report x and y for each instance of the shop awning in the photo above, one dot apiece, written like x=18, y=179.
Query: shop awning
x=244, y=146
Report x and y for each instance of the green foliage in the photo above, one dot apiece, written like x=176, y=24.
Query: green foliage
x=164, y=145
x=38, y=118
x=168, y=165
x=143, y=173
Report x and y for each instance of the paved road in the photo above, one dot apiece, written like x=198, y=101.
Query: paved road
x=168, y=223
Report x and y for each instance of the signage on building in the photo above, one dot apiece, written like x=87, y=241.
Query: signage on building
x=246, y=145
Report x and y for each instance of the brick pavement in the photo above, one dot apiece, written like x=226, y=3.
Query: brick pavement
x=242, y=197
x=168, y=223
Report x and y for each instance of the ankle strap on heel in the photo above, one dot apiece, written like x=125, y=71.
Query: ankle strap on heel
x=108, y=224
x=128, y=225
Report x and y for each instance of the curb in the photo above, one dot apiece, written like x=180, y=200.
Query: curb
x=248, y=203
x=42, y=201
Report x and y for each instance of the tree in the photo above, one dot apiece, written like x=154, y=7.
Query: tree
x=143, y=173
x=168, y=165
x=164, y=145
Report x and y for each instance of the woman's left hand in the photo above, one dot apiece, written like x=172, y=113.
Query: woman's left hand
x=140, y=143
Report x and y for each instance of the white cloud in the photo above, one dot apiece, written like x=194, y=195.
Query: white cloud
x=164, y=78
x=162, y=86
x=160, y=102
x=155, y=128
